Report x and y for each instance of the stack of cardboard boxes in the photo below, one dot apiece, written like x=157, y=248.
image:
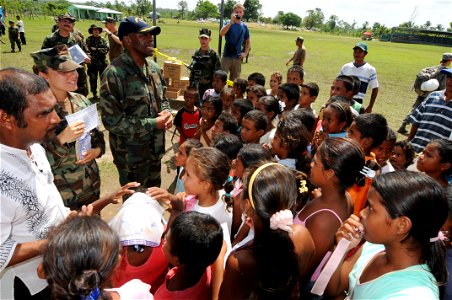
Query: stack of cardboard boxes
x=176, y=84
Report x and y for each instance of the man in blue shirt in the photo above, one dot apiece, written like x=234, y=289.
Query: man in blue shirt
x=235, y=33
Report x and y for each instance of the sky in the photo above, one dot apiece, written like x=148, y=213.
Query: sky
x=388, y=12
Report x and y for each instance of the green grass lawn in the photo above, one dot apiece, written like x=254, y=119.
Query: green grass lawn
x=396, y=64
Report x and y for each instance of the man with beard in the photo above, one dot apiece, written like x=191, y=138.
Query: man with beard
x=65, y=35
x=133, y=105
x=30, y=202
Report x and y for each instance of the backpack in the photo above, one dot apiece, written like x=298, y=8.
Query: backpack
x=423, y=76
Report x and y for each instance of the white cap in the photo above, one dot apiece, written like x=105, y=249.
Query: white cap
x=139, y=221
x=430, y=85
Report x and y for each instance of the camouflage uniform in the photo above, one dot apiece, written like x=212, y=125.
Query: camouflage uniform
x=13, y=34
x=98, y=48
x=78, y=184
x=130, y=102
x=204, y=66
x=54, y=39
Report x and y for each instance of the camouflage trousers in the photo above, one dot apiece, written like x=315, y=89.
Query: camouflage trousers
x=82, y=82
x=95, y=71
x=139, y=161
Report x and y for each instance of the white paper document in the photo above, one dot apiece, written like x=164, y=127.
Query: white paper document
x=78, y=55
x=88, y=115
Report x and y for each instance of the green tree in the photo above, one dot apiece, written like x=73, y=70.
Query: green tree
x=252, y=9
x=314, y=19
x=143, y=7
x=332, y=22
x=182, y=8
x=290, y=19
x=439, y=27
x=427, y=25
x=205, y=9
x=277, y=19
x=228, y=7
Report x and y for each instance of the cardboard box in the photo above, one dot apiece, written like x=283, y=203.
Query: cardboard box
x=173, y=94
x=172, y=70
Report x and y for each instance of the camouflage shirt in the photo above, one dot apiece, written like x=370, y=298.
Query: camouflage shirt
x=205, y=62
x=13, y=33
x=55, y=38
x=98, y=48
x=78, y=184
x=131, y=98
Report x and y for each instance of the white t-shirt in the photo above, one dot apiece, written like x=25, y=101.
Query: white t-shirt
x=366, y=74
x=20, y=26
x=30, y=204
x=219, y=210
x=268, y=137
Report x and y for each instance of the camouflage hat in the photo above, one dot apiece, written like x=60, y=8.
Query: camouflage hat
x=92, y=27
x=446, y=57
x=135, y=25
x=66, y=16
x=204, y=32
x=56, y=58
x=109, y=20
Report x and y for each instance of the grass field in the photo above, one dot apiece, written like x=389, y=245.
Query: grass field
x=396, y=64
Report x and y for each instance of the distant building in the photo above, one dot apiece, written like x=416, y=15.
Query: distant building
x=93, y=13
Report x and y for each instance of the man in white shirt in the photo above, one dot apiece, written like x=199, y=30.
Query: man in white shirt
x=20, y=26
x=366, y=74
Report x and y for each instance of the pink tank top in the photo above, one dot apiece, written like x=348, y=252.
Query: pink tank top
x=297, y=220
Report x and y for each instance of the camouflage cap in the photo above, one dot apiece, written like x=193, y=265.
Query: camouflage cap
x=135, y=25
x=56, y=58
x=66, y=16
x=204, y=32
x=109, y=20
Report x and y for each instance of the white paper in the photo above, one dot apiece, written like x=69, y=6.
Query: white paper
x=82, y=145
x=88, y=115
x=78, y=55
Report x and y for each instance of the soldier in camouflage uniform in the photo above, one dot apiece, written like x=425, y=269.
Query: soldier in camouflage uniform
x=13, y=34
x=98, y=48
x=205, y=63
x=64, y=35
x=77, y=179
x=133, y=106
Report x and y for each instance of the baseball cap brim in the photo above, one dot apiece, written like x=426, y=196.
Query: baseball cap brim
x=204, y=35
x=152, y=29
x=68, y=66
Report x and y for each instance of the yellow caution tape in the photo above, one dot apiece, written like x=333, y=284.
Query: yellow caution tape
x=156, y=51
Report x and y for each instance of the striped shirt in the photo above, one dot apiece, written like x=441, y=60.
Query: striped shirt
x=365, y=73
x=433, y=119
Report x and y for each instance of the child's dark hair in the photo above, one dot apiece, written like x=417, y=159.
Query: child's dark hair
x=348, y=82
x=258, y=78
x=345, y=157
x=291, y=90
x=295, y=137
x=228, y=143
x=213, y=166
x=221, y=74
x=392, y=136
x=192, y=89
x=312, y=87
x=271, y=104
x=444, y=148
x=259, y=118
x=254, y=154
x=81, y=255
x=356, y=84
x=196, y=240
x=257, y=89
x=343, y=112
x=306, y=116
x=374, y=126
x=409, y=151
x=229, y=122
x=191, y=144
x=244, y=105
x=420, y=198
x=296, y=69
x=277, y=272
x=241, y=84
x=217, y=105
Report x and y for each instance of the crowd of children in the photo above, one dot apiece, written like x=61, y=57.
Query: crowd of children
x=265, y=190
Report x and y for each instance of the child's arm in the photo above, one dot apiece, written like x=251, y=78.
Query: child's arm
x=339, y=281
x=217, y=272
x=114, y=198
